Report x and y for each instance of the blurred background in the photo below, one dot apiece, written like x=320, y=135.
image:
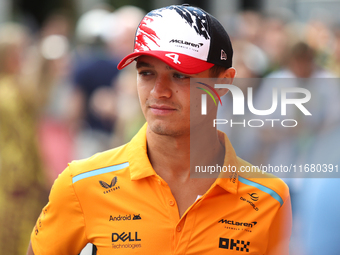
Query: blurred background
x=62, y=97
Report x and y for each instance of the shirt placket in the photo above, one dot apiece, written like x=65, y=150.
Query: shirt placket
x=182, y=227
x=171, y=208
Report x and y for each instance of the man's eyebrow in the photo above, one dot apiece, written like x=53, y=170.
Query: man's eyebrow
x=143, y=64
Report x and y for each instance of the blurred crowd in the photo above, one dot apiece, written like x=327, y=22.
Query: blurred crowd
x=276, y=50
x=62, y=98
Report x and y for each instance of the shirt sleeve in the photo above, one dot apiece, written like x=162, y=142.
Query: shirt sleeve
x=60, y=228
x=280, y=230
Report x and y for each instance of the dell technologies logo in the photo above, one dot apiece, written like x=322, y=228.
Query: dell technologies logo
x=125, y=237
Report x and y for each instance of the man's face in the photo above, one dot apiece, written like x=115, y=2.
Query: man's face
x=164, y=95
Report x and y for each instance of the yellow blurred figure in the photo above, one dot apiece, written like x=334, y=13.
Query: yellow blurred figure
x=21, y=173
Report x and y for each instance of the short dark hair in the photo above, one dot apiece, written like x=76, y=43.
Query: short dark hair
x=302, y=51
x=216, y=70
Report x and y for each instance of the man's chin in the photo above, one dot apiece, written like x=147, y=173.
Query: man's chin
x=167, y=130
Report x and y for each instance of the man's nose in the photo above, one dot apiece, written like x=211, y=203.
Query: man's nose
x=162, y=87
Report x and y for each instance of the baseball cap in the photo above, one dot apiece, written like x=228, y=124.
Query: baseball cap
x=186, y=38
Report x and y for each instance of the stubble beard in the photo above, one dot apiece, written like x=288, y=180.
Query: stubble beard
x=161, y=129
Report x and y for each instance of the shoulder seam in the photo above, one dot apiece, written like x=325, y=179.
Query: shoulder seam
x=99, y=171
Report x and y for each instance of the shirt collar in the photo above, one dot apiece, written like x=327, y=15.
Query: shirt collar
x=228, y=180
x=140, y=166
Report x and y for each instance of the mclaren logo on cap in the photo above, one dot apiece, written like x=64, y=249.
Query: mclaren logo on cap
x=195, y=45
x=223, y=55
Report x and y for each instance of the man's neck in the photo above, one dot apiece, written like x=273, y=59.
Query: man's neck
x=171, y=156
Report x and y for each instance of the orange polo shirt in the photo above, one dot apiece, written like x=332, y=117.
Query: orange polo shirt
x=116, y=201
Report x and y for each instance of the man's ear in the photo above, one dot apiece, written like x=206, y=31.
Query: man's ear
x=230, y=73
x=226, y=77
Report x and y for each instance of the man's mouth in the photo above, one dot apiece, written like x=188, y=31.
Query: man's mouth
x=161, y=109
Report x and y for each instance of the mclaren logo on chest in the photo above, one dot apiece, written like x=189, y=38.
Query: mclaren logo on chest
x=110, y=187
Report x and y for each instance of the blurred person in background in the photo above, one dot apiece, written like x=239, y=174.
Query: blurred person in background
x=319, y=36
x=24, y=79
x=301, y=63
x=55, y=130
x=297, y=145
x=92, y=105
x=248, y=26
x=121, y=36
x=275, y=39
x=300, y=70
x=315, y=210
x=265, y=30
x=251, y=61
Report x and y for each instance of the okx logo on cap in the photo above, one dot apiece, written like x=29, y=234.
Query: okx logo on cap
x=187, y=38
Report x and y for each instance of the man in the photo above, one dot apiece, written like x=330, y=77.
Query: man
x=139, y=198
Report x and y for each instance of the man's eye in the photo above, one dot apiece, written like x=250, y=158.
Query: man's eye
x=145, y=73
x=180, y=76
